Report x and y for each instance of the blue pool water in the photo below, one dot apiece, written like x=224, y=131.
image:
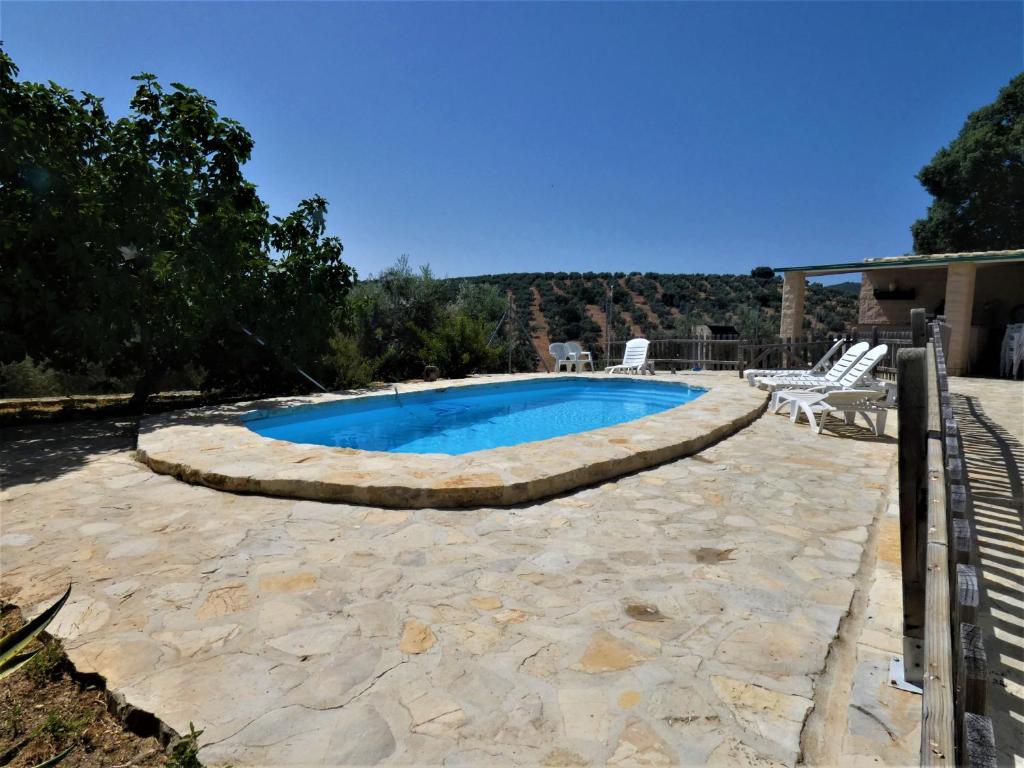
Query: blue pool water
x=474, y=418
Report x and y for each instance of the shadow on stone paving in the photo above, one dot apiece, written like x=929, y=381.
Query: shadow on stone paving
x=995, y=460
x=40, y=452
x=838, y=428
x=34, y=453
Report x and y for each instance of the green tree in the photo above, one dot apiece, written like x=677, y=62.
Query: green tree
x=978, y=182
x=61, y=278
x=266, y=345
x=753, y=325
x=685, y=324
x=139, y=245
x=195, y=229
x=307, y=284
x=482, y=301
x=485, y=303
x=389, y=314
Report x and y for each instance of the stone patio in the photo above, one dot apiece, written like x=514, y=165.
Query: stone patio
x=680, y=615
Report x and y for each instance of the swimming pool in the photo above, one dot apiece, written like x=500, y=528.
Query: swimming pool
x=473, y=418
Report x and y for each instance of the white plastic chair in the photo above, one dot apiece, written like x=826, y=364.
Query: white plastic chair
x=1017, y=359
x=580, y=357
x=804, y=380
x=634, y=360
x=559, y=351
x=1007, y=354
x=819, y=367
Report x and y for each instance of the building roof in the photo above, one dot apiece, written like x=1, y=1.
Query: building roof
x=909, y=261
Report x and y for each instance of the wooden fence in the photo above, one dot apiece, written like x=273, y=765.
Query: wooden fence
x=943, y=648
x=715, y=353
x=730, y=353
x=895, y=338
x=783, y=353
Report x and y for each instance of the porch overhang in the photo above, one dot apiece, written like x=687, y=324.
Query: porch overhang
x=909, y=262
x=961, y=270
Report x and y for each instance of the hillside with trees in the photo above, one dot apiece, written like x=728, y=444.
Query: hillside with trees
x=559, y=306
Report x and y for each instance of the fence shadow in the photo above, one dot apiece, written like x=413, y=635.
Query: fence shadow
x=995, y=477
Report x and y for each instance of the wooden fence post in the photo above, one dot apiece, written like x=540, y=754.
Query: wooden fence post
x=918, y=328
x=966, y=597
x=978, y=739
x=960, y=545
x=912, y=384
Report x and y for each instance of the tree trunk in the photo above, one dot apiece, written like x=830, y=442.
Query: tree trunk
x=144, y=387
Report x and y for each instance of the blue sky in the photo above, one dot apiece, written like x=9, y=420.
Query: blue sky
x=487, y=137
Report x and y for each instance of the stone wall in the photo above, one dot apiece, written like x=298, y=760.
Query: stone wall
x=999, y=289
x=930, y=293
x=994, y=294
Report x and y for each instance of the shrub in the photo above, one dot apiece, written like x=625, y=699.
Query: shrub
x=458, y=347
x=28, y=379
x=347, y=365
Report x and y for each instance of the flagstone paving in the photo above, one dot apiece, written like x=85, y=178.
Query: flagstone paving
x=681, y=615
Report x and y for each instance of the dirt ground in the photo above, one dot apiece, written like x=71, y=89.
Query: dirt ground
x=43, y=711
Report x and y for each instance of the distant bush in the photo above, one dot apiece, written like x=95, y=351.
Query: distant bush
x=346, y=365
x=29, y=379
x=458, y=347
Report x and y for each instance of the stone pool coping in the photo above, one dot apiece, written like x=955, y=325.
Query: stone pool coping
x=211, y=446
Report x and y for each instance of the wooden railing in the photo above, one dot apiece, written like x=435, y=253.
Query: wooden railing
x=715, y=353
x=894, y=338
x=783, y=353
x=730, y=353
x=943, y=648
x=727, y=353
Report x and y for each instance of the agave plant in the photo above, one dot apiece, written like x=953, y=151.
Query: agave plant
x=55, y=759
x=10, y=645
x=12, y=659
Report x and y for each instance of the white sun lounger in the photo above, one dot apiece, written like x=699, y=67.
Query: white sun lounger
x=859, y=375
x=819, y=367
x=635, y=358
x=849, y=402
x=807, y=379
